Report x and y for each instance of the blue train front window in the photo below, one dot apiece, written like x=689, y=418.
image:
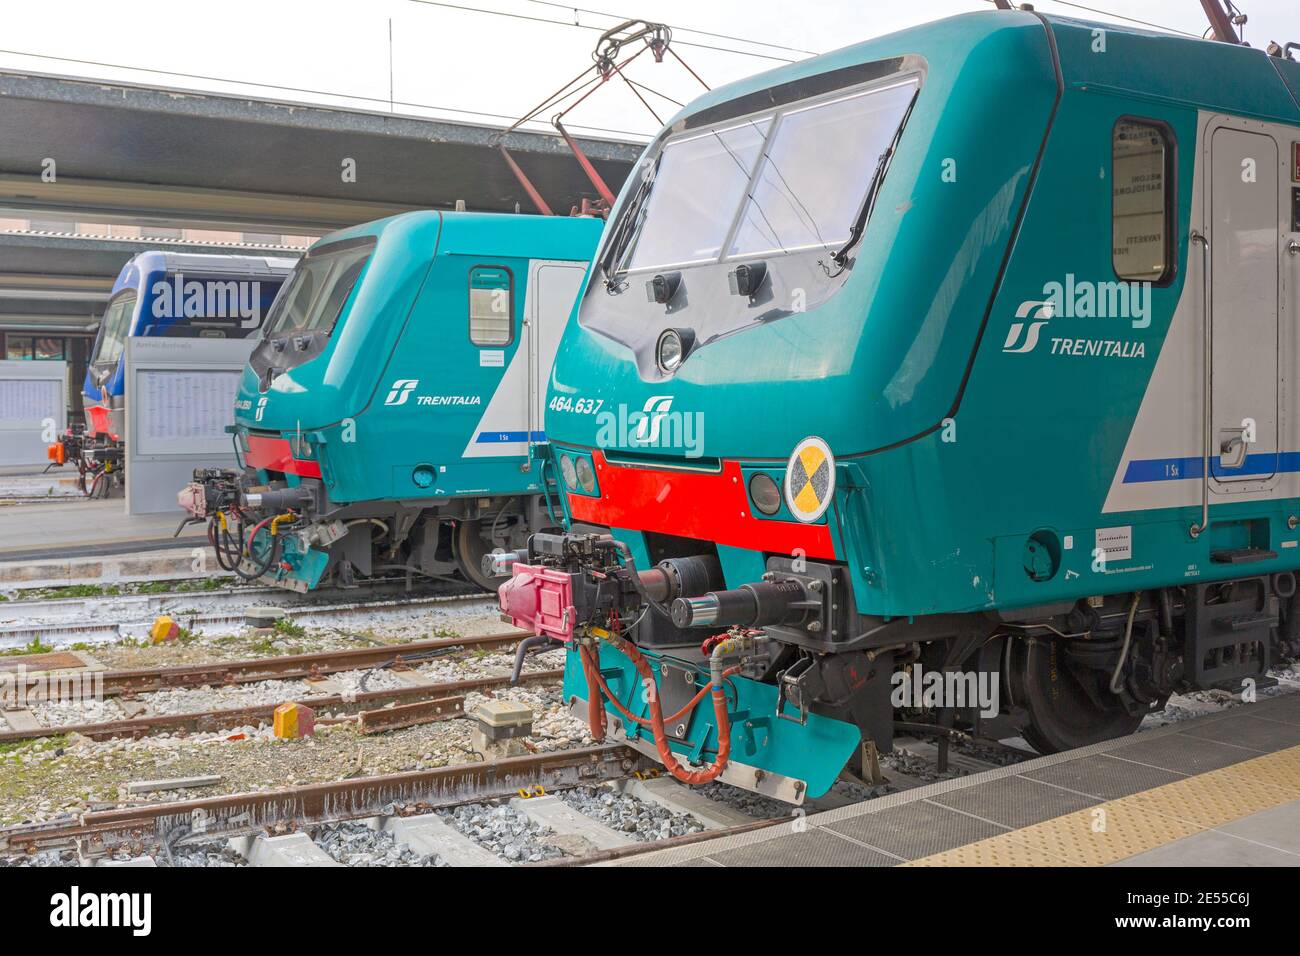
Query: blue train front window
x=117, y=326
x=321, y=282
x=816, y=170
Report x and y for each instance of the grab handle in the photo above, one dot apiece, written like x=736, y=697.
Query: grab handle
x=1197, y=529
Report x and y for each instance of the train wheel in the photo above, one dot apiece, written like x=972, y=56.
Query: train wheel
x=1064, y=712
x=471, y=545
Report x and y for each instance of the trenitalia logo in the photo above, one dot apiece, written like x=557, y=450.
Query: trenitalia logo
x=1024, y=337
x=656, y=407
x=401, y=390
x=654, y=425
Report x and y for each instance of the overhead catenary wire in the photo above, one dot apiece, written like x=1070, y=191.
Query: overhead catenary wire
x=1120, y=16
x=392, y=102
x=466, y=8
x=686, y=29
x=291, y=89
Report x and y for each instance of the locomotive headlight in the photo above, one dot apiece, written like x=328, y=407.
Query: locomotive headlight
x=669, y=352
x=764, y=493
x=569, y=472
x=586, y=477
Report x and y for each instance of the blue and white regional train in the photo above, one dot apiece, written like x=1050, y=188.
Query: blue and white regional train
x=169, y=294
x=961, y=358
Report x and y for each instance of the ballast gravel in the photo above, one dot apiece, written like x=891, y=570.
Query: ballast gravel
x=503, y=830
x=356, y=844
x=43, y=858
x=625, y=814
x=215, y=854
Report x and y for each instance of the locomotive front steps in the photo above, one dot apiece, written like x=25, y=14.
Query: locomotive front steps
x=1228, y=641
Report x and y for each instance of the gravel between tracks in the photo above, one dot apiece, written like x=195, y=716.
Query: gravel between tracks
x=356, y=844
x=626, y=814
x=503, y=830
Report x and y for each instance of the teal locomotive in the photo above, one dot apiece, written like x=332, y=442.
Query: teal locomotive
x=946, y=378
x=385, y=420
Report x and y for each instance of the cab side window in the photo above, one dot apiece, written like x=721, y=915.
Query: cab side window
x=1141, y=200
x=491, y=306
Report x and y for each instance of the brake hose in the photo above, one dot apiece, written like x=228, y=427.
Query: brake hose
x=1115, y=684
x=596, y=687
x=273, y=551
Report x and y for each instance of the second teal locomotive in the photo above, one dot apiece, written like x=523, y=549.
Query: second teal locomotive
x=384, y=421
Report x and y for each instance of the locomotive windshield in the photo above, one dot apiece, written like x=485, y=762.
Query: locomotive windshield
x=313, y=297
x=794, y=179
x=117, y=325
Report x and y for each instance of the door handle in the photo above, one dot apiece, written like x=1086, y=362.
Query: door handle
x=1293, y=247
x=1233, y=447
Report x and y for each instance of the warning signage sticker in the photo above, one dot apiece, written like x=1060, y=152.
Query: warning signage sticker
x=1116, y=543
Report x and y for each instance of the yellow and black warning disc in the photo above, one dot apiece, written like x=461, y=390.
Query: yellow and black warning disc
x=810, y=479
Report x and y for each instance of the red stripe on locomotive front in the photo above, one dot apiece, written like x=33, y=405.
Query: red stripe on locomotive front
x=711, y=507
x=275, y=454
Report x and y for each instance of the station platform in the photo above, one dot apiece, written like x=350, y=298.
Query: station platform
x=75, y=540
x=1217, y=790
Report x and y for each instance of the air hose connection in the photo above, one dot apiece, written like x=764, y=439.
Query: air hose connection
x=719, y=648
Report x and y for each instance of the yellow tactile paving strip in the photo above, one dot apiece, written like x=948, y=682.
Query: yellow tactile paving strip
x=1117, y=829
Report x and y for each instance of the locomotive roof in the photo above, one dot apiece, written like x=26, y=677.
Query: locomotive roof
x=1200, y=73
x=488, y=234
x=158, y=260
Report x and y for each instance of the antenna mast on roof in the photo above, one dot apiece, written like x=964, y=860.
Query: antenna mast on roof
x=1223, y=22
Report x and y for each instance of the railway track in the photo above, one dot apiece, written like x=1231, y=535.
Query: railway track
x=276, y=827
x=235, y=594
x=417, y=791
x=291, y=825
x=143, y=680
x=411, y=808
x=134, y=614
x=220, y=719
x=415, y=810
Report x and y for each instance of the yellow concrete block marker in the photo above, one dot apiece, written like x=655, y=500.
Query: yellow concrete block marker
x=293, y=720
x=164, y=628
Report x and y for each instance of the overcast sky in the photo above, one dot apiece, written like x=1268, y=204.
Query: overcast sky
x=446, y=58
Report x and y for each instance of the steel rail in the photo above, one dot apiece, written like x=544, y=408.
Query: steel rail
x=212, y=720
x=72, y=683
x=248, y=595
x=421, y=790
x=145, y=679
x=58, y=630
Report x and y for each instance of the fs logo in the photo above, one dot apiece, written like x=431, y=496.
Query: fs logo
x=401, y=390
x=261, y=409
x=1041, y=312
x=653, y=413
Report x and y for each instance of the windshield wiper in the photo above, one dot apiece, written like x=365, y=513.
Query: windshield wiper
x=841, y=256
x=620, y=243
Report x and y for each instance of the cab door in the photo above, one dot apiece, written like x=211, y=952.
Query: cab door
x=554, y=287
x=1243, y=232
x=512, y=421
